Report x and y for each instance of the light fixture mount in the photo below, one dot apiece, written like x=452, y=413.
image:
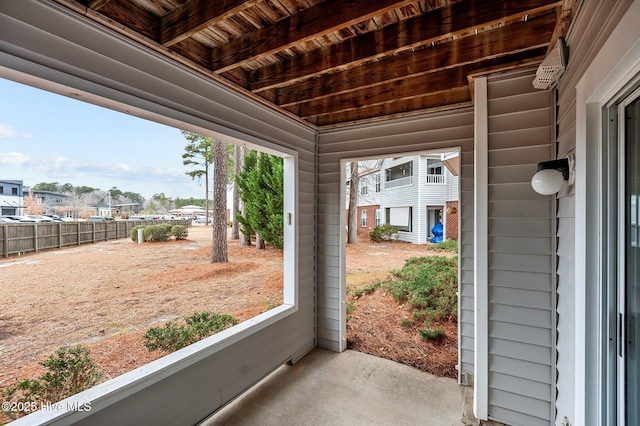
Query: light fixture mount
x=561, y=165
x=552, y=174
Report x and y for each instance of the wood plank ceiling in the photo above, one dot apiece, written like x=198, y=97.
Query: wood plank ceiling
x=330, y=63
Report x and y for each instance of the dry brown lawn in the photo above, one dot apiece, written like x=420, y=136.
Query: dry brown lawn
x=106, y=295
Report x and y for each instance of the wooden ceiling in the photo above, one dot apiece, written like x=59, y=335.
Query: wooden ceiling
x=334, y=62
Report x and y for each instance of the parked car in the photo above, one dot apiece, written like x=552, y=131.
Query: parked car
x=10, y=218
x=54, y=217
x=99, y=218
x=35, y=218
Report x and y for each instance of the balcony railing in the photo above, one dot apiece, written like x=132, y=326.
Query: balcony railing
x=405, y=181
x=435, y=179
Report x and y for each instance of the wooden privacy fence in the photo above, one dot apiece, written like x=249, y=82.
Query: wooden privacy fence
x=32, y=237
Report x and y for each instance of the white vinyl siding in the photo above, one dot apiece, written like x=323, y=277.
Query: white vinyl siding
x=521, y=298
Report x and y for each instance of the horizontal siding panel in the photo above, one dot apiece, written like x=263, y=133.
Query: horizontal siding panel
x=530, y=406
x=521, y=351
x=520, y=333
x=516, y=418
x=510, y=83
x=567, y=207
x=466, y=329
x=520, y=245
x=518, y=297
x=529, y=388
x=518, y=191
x=519, y=120
x=519, y=137
x=520, y=315
x=520, y=173
x=520, y=262
x=329, y=331
x=567, y=141
x=525, y=155
x=521, y=209
x=523, y=280
x=535, y=372
x=329, y=312
x=328, y=293
x=519, y=102
x=520, y=228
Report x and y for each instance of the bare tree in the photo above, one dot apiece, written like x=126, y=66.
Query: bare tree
x=352, y=236
x=220, y=178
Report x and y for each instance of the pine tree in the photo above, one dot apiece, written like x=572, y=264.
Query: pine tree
x=260, y=185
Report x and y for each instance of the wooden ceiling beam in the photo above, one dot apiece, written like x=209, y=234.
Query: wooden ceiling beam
x=447, y=79
x=132, y=17
x=97, y=4
x=447, y=99
x=197, y=15
x=310, y=23
x=413, y=87
x=432, y=27
x=483, y=46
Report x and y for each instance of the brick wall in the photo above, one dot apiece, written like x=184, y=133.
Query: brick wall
x=451, y=211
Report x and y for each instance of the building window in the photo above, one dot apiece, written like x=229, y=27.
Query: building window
x=401, y=175
x=363, y=186
x=377, y=218
x=377, y=182
x=400, y=217
x=434, y=167
x=14, y=191
x=363, y=218
x=1, y=189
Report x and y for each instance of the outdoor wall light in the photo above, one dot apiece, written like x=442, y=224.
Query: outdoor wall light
x=551, y=175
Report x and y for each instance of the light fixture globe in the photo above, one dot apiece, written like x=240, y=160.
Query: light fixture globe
x=547, y=181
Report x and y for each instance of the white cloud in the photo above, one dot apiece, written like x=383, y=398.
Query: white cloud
x=15, y=159
x=97, y=174
x=7, y=131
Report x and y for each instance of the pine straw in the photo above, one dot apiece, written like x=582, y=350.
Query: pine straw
x=374, y=327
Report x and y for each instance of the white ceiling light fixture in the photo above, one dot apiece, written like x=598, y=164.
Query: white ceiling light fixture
x=551, y=175
x=552, y=67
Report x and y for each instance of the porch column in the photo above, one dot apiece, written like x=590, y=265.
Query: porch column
x=481, y=232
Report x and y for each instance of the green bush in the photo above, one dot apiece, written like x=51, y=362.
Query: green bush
x=69, y=371
x=447, y=245
x=429, y=285
x=167, y=227
x=180, y=232
x=436, y=334
x=384, y=232
x=134, y=232
x=173, y=336
x=156, y=233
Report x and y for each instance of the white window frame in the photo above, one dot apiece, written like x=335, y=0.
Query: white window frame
x=363, y=218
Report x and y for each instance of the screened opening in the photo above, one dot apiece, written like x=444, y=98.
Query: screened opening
x=76, y=282
x=391, y=256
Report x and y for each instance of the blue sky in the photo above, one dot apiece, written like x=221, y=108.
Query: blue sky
x=45, y=137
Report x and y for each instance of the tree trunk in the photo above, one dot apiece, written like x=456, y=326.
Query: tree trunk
x=237, y=167
x=245, y=240
x=352, y=237
x=259, y=243
x=206, y=194
x=219, y=243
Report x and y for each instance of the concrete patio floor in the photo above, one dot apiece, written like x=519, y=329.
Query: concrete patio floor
x=349, y=388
